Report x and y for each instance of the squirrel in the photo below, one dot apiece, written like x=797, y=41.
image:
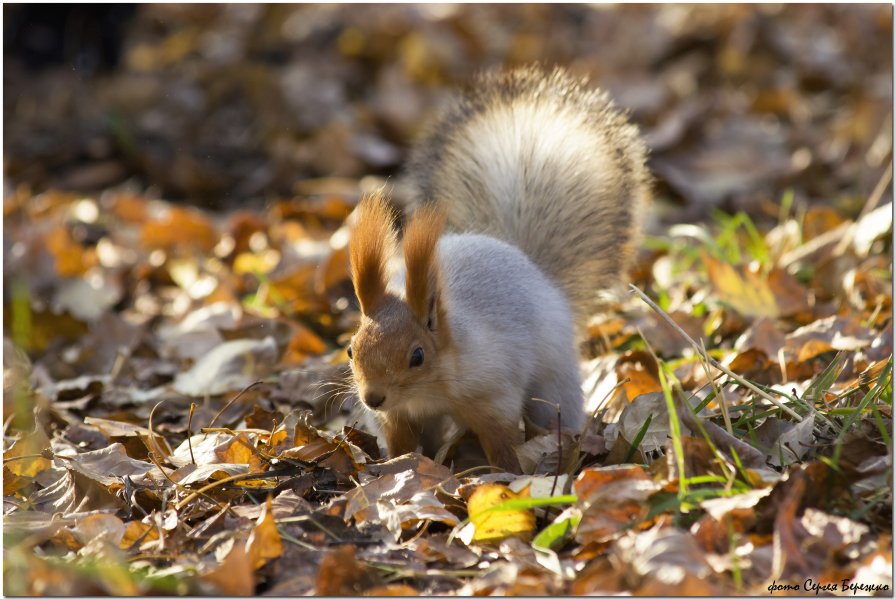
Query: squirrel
x=543, y=183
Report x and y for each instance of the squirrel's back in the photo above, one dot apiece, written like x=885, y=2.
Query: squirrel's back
x=542, y=161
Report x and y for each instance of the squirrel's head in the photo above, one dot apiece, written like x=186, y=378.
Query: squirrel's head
x=397, y=354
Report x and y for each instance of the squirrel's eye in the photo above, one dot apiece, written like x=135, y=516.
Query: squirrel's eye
x=350, y=355
x=416, y=358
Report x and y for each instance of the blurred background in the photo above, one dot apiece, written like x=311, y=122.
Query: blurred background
x=235, y=105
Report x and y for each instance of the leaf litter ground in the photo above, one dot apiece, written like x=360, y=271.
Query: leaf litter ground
x=156, y=447
x=177, y=402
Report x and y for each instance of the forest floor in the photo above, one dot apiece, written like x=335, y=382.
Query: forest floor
x=178, y=416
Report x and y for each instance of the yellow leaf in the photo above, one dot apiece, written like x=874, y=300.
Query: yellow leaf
x=747, y=293
x=256, y=484
x=494, y=525
x=813, y=348
x=240, y=452
x=136, y=530
x=259, y=263
x=23, y=458
x=277, y=437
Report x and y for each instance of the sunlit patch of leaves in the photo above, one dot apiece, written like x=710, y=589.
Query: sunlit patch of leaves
x=740, y=417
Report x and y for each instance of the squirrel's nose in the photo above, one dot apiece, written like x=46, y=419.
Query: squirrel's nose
x=374, y=400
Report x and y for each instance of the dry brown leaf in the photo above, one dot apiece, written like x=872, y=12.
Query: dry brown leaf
x=764, y=334
x=663, y=338
x=650, y=406
x=72, y=259
x=242, y=451
x=755, y=366
x=235, y=574
x=108, y=466
x=171, y=227
x=812, y=349
x=667, y=562
x=303, y=343
x=840, y=332
x=599, y=577
x=264, y=542
x=137, y=531
x=611, y=499
x=340, y=573
x=791, y=297
x=540, y=455
x=99, y=527
x=698, y=459
x=785, y=442
x=641, y=381
x=404, y=493
x=391, y=590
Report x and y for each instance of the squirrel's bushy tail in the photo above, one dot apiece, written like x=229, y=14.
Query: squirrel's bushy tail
x=541, y=161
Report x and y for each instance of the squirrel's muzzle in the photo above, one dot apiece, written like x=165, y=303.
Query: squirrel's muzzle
x=374, y=400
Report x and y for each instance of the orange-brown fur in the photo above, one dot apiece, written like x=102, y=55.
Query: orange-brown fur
x=392, y=327
x=371, y=245
x=421, y=261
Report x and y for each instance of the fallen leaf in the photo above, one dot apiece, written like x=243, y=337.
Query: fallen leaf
x=764, y=334
x=99, y=527
x=136, y=531
x=400, y=499
x=666, y=561
x=171, y=227
x=494, y=525
x=391, y=590
x=340, y=573
x=24, y=458
x=744, y=290
x=231, y=366
x=785, y=442
x=611, y=499
x=264, y=542
x=107, y=466
x=235, y=574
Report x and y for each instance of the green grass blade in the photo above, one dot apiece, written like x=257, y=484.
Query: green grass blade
x=637, y=439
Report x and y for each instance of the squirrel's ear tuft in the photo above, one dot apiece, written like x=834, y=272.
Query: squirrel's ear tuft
x=420, y=258
x=372, y=243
